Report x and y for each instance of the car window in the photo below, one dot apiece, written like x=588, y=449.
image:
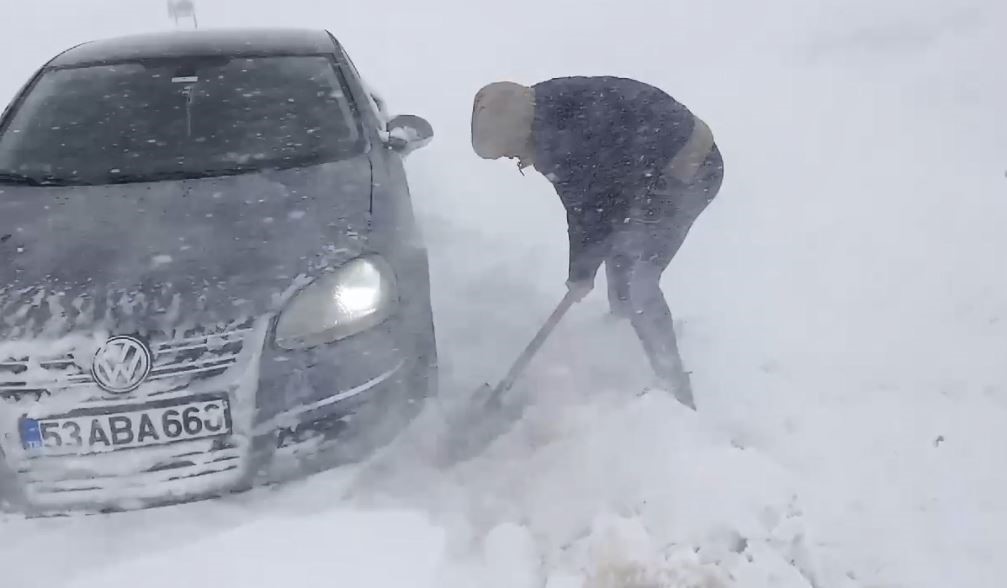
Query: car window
x=180, y=117
x=375, y=103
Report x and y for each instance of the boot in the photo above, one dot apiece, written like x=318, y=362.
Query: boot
x=681, y=390
x=681, y=387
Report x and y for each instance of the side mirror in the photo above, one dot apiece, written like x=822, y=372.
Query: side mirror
x=407, y=133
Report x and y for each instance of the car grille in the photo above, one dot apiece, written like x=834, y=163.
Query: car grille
x=52, y=373
x=196, y=354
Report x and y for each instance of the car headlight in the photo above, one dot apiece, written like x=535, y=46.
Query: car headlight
x=355, y=297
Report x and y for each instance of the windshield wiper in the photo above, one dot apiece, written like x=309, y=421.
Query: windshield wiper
x=26, y=180
x=177, y=175
x=232, y=170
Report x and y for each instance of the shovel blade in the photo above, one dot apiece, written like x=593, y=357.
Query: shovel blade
x=475, y=426
x=481, y=395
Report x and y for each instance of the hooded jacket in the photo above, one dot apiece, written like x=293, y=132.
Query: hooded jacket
x=603, y=142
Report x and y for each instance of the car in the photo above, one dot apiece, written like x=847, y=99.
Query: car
x=211, y=273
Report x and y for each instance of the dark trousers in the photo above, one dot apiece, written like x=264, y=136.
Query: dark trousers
x=639, y=252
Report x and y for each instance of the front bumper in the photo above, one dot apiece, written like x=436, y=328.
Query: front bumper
x=283, y=406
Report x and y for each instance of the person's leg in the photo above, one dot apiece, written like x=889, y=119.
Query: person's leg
x=617, y=267
x=643, y=251
x=654, y=325
x=648, y=248
x=668, y=211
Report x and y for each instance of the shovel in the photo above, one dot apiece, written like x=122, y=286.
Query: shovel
x=486, y=417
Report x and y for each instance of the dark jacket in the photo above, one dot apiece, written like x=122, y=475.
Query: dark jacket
x=602, y=142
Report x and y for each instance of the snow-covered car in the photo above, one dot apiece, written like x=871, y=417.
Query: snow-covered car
x=210, y=270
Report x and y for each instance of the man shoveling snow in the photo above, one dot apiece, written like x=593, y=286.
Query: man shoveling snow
x=634, y=169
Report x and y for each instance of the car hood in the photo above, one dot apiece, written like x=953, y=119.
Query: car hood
x=163, y=255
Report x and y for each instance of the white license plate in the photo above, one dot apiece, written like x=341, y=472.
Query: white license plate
x=113, y=429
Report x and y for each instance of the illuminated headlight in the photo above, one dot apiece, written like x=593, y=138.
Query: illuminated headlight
x=355, y=297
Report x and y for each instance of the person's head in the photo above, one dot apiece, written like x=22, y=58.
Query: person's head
x=502, y=117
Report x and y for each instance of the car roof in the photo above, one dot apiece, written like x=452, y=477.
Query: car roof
x=235, y=42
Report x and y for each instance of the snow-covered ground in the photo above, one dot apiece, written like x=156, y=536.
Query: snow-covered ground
x=843, y=307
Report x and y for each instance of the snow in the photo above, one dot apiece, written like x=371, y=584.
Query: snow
x=842, y=306
x=392, y=548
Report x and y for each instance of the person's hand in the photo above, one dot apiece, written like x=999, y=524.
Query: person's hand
x=580, y=289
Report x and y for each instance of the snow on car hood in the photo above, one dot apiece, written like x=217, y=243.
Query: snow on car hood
x=168, y=254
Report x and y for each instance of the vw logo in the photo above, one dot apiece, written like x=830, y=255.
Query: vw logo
x=121, y=364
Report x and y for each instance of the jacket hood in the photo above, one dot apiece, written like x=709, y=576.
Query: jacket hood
x=162, y=255
x=502, y=117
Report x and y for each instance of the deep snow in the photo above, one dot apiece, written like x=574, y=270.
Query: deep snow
x=843, y=309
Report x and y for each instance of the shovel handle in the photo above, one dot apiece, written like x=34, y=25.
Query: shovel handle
x=529, y=352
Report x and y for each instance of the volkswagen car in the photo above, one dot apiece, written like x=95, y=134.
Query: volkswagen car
x=210, y=271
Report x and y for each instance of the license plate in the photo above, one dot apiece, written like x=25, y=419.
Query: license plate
x=119, y=428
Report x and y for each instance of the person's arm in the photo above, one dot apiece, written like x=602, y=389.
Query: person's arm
x=588, y=238
x=578, y=151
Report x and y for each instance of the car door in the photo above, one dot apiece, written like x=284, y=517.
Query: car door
x=390, y=199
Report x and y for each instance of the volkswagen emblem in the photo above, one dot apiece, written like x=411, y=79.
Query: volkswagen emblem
x=121, y=364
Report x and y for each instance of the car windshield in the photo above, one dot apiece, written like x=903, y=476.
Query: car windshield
x=178, y=118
